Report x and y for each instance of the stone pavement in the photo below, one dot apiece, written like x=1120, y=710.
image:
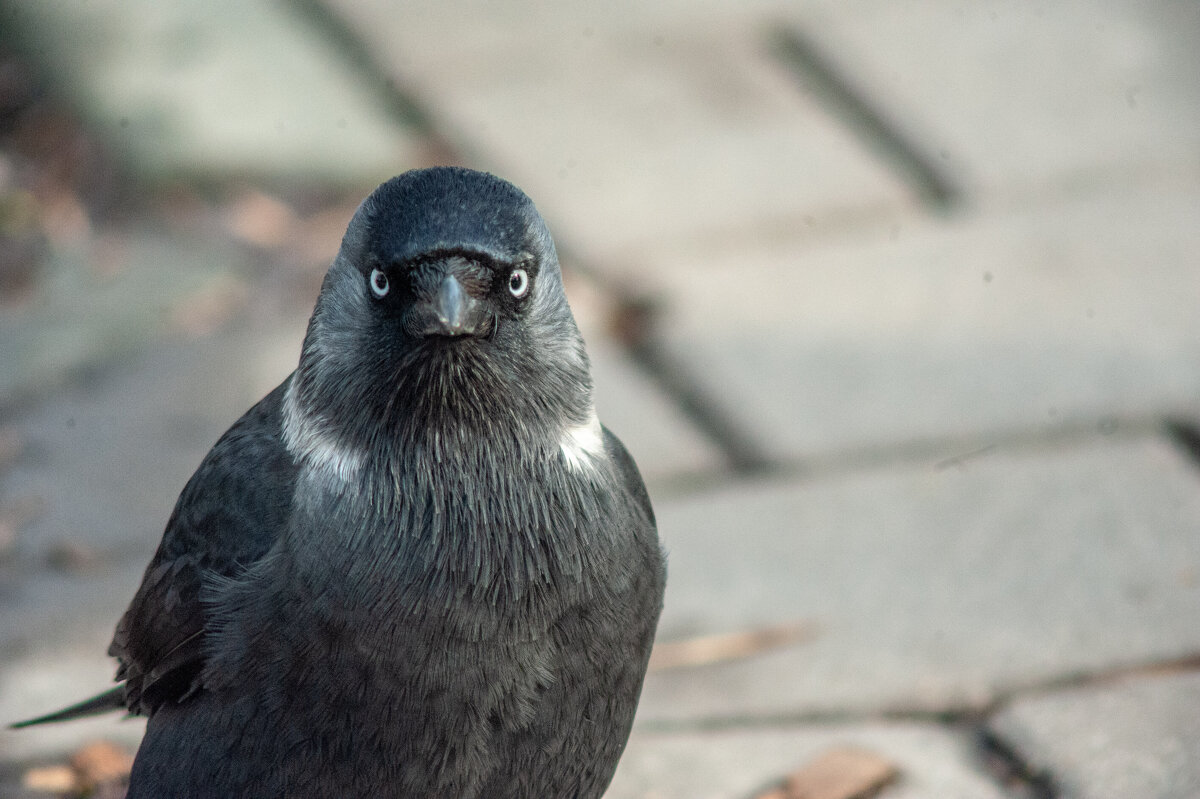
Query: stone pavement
x=894, y=303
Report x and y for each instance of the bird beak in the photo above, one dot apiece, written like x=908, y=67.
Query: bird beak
x=451, y=305
x=452, y=311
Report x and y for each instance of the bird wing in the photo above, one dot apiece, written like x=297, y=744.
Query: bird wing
x=628, y=474
x=227, y=517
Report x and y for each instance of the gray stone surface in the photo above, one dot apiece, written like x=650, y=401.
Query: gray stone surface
x=110, y=455
x=934, y=763
x=933, y=588
x=58, y=673
x=105, y=461
x=631, y=129
x=107, y=296
x=221, y=88
x=1024, y=98
x=1135, y=738
x=669, y=451
x=1029, y=320
x=484, y=27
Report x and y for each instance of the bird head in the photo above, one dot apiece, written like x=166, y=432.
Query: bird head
x=442, y=318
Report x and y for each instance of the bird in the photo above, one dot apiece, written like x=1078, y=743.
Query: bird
x=419, y=567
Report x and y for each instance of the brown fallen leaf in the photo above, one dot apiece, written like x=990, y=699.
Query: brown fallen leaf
x=842, y=773
x=260, y=219
x=707, y=649
x=99, y=770
x=205, y=311
x=314, y=239
x=57, y=779
x=100, y=763
x=65, y=219
x=22, y=255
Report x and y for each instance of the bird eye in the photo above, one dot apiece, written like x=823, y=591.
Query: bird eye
x=379, y=283
x=518, y=282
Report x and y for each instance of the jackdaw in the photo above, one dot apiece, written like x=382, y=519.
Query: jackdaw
x=420, y=567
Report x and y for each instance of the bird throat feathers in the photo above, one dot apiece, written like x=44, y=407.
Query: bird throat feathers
x=445, y=411
x=469, y=502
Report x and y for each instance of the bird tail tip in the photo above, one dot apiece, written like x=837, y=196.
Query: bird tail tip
x=112, y=699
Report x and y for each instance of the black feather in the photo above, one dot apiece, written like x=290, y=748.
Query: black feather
x=110, y=700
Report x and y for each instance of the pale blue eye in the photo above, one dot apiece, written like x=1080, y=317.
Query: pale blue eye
x=518, y=282
x=379, y=283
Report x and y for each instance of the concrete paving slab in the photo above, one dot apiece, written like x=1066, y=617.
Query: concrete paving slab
x=1024, y=98
x=110, y=456
x=932, y=588
x=482, y=28
x=627, y=135
x=107, y=297
x=669, y=450
x=104, y=462
x=222, y=88
x=734, y=764
x=1112, y=741
x=1030, y=320
x=54, y=674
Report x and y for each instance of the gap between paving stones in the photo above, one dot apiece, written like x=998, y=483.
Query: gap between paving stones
x=1186, y=435
x=951, y=452
x=812, y=67
x=951, y=716
x=401, y=105
x=996, y=756
x=1009, y=769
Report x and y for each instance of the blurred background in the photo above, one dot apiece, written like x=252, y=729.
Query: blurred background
x=893, y=302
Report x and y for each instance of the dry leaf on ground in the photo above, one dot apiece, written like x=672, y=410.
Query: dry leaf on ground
x=842, y=773
x=99, y=770
x=707, y=649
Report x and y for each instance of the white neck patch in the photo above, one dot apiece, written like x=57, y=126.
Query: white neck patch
x=315, y=447
x=581, y=444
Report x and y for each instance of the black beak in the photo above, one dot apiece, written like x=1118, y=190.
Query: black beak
x=451, y=311
x=452, y=306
